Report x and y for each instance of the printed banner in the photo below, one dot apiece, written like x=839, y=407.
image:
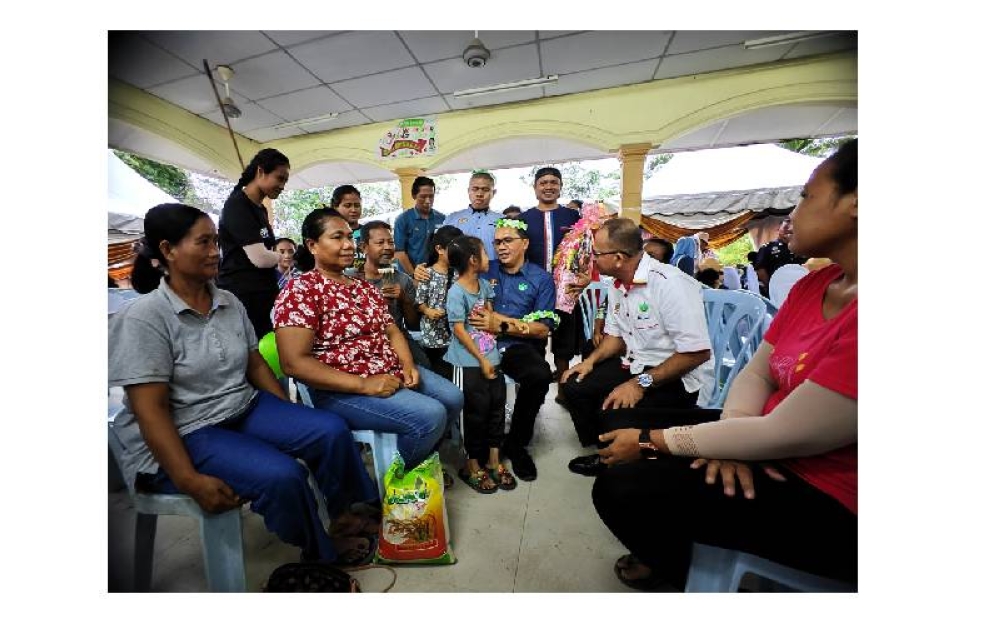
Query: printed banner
x=411, y=137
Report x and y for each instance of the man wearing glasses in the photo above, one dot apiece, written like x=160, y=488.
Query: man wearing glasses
x=478, y=220
x=656, y=350
x=523, y=317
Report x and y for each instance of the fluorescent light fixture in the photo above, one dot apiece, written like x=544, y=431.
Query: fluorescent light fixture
x=507, y=86
x=319, y=119
x=780, y=40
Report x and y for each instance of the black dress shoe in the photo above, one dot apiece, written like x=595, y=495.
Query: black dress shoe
x=522, y=464
x=587, y=465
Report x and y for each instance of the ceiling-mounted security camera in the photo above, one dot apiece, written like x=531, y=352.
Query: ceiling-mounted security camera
x=475, y=54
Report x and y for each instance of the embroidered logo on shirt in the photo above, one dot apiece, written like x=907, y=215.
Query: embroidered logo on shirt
x=462, y=220
x=522, y=287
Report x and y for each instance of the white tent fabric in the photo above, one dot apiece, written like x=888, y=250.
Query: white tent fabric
x=128, y=192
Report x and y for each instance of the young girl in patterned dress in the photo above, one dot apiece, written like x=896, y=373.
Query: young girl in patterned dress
x=432, y=295
x=475, y=351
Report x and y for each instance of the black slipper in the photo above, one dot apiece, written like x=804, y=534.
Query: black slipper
x=652, y=582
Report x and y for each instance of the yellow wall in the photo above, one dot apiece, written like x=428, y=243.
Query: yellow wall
x=651, y=113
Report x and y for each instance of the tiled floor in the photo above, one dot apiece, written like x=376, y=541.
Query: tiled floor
x=544, y=536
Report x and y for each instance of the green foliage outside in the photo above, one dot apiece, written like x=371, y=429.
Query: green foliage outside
x=580, y=182
x=171, y=180
x=816, y=147
x=736, y=252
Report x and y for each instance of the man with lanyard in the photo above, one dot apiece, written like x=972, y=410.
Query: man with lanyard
x=478, y=220
x=656, y=351
x=522, y=319
x=415, y=227
x=547, y=223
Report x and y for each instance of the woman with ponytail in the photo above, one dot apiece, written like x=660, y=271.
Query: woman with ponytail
x=247, y=239
x=204, y=414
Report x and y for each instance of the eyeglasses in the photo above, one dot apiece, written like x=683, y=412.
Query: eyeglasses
x=505, y=241
x=597, y=254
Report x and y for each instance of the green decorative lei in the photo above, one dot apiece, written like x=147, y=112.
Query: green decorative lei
x=516, y=224
x=542, y=314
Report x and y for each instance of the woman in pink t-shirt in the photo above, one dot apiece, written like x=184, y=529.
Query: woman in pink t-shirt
x=794, y=405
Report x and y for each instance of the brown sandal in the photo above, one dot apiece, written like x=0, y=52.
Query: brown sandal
x=502, y=477
x=475, y=481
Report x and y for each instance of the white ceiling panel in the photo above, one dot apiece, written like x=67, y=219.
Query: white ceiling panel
x=193, y=93
x=293, y=37
x=519, y=151
x=387, y=88
x=409, y=108
x=221, y=47
x=693, y=40
x=703, y=137
x=842, y=41
x=136, y=61
x=490, y=99
x=253, y=117
x=305, y=104
x=428, y=45
x=603, y=78
x=600, y=49
x=123, y=136
x=270, y=75
x=800, y=120
x=511, y=64
x=344, y=120
x=352, y=54
x=337, y=173
x=716, y=59
x=549, y=34
x=263, y=135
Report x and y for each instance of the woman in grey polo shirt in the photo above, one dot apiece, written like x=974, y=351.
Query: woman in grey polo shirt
x=205, y=415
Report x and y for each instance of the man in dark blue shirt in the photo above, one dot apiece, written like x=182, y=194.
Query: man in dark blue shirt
x=415, y=227
x=523, y=317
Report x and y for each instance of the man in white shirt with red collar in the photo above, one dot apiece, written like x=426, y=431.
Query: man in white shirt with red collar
x=656, y=352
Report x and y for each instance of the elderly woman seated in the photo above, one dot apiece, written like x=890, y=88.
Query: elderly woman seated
x=336, y=335
x=205, y=415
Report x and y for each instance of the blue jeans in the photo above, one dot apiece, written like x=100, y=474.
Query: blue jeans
x=417, y=416
x=255, y=454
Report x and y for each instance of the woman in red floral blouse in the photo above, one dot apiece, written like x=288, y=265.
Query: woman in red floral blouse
x=335, y=334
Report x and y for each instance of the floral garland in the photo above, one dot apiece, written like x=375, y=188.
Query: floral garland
x=517, y=224
x=542, y=314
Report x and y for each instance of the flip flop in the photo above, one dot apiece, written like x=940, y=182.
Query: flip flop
x=652, y=582
x=498, y=475
x=475, y=481
x=362, y=556
x=626, y=561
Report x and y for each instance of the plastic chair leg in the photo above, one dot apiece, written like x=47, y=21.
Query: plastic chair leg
x=712, y=570
x=222, y=545
x=145, y=538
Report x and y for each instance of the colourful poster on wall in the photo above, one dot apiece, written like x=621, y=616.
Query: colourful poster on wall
x=411, y=137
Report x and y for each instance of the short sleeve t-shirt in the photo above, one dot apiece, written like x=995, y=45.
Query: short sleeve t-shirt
x=809, y=347
x=244, y=223
x=433, y=293
x=349, y=322
x=460, y=305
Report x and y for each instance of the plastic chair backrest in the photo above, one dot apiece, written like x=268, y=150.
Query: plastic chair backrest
x=782, y=281
x=590, y=300
x=714, y=569
x=735, y=322
x=731, y=278
x=753, y=282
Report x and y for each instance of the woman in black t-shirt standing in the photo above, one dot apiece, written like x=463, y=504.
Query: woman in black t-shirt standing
x=247, y=240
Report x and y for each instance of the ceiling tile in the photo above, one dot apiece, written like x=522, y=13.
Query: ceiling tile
x=716, y=59
x=305, y=104
x=409, y=108
x=701, y=138
x=600, y=49
x=350, y=118
x=220, y=47
x=294, y=37
x=434, y=45
x=549, y=34
x=692, y=40
x=396, y=86
x=517, y=95
x=603, y=78
x=253, y=118
x=266, y=134
x=269, y=75
x=511, y=64
x=134, y=60
x=193, y=94
x=352, y=54
x=844, y=41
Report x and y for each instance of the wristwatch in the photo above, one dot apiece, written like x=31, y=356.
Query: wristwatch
x=646, y=446
x=645, y=380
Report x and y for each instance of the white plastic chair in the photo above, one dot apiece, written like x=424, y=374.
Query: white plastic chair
x=590, y=301
x=714, y=569
x=221, y=534
x=383, y=444
x=731, y=278
x=783, y=280
x=753, y=282
x=735, y=322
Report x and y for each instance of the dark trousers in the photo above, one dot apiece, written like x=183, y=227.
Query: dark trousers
x=659, y=508
x=259, y=305
x=439, y=365
x=526, y=365
x=420, y=357
x=483, y=413
x=585, y=398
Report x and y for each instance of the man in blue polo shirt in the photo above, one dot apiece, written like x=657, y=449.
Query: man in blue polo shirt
x=414, y=227
x=478, y=220
x=523, y=317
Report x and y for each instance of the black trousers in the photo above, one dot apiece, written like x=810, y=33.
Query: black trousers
x=585, y=398
x=526, y=365
x=567, y=338
x=483, y=412
x=439, y=365
x=258, y=305
x=659, y=508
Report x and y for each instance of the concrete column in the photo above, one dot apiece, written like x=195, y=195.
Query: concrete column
x=406, y=177
x=632, y=157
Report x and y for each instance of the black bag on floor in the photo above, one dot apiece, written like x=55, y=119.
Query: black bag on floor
x=310, y=577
